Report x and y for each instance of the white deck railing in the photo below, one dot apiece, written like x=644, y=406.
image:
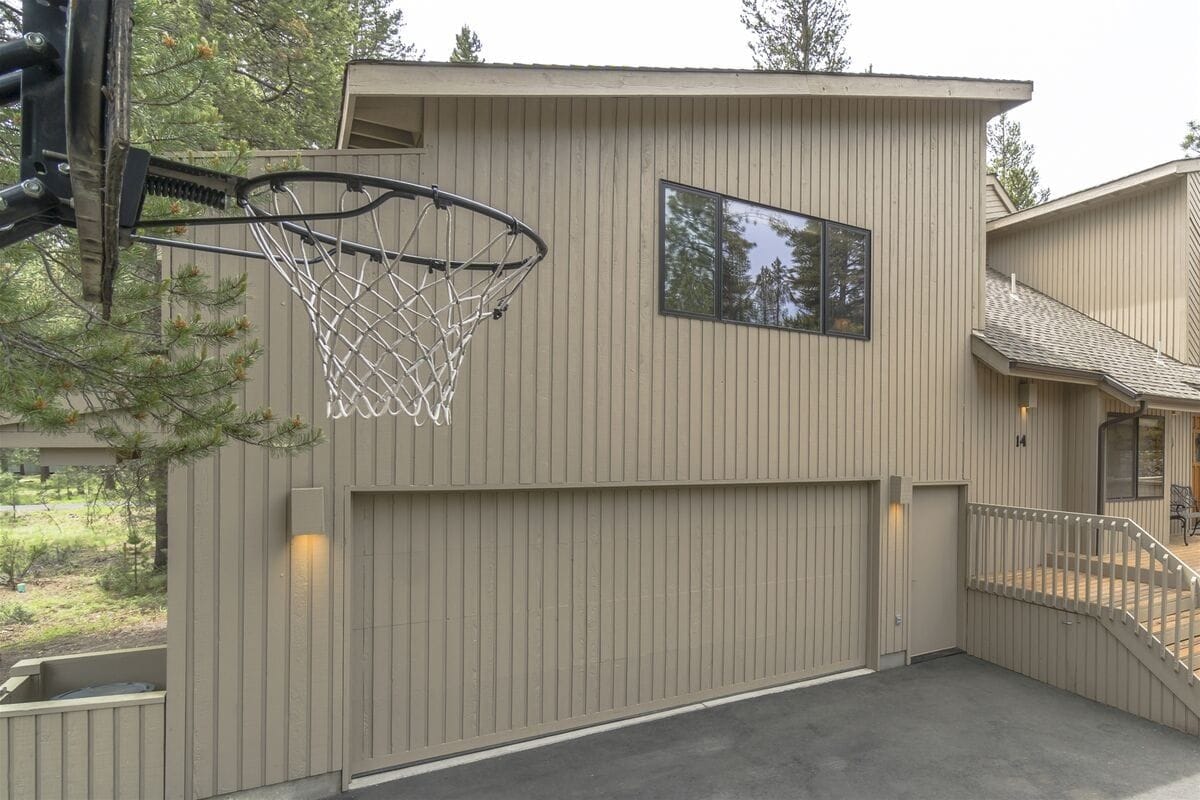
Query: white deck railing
x=1090, y=564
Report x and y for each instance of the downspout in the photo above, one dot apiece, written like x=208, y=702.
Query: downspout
x=1104, y=426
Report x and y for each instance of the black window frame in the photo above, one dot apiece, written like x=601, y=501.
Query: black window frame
x=1136, y=422
x=718, y=281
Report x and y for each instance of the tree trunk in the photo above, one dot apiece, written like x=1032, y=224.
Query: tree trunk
x=160, y=516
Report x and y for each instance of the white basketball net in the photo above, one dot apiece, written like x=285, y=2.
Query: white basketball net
x=392, y=334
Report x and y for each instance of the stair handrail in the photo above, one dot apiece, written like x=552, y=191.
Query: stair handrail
x=1023, y=535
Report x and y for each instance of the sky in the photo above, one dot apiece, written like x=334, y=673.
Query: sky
x=1114, y=82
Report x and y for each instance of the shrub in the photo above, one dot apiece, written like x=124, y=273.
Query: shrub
x=134, y=574
x=19, y=558
x=14, y=613
x=119, y=580
x=63, y=550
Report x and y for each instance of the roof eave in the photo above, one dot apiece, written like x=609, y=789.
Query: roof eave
x=1001, y=363
x=1103, y=193
x=453, y=80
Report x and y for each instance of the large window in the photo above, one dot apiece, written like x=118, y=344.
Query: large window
x=1134, y=459
x=727, y=259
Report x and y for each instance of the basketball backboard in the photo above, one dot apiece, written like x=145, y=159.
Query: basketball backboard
x=70, y=73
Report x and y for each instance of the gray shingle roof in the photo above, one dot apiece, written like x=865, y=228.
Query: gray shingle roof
x=1034, y=330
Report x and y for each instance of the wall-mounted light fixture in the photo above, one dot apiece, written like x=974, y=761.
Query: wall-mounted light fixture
x=306, y=512
x=1026, y=395
x=900, y=490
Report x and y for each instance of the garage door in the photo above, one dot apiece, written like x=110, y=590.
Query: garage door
x=485, y=617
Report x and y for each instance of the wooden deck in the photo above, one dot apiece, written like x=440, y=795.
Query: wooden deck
x=1189, y=553
x=1161, y=602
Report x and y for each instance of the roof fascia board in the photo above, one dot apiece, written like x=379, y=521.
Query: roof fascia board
x=1140, y=181
x=1171, y=404
x=419, y=79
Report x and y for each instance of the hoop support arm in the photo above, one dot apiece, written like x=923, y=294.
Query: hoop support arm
x=30, y=50
x=10, y=88
x=23, y=200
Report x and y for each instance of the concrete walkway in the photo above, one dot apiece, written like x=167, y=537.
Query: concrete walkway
x=951, y=728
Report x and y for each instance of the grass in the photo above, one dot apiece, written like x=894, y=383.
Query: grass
x=74, y=606
x=102, y=531
x=67, y=486
x=63, y=608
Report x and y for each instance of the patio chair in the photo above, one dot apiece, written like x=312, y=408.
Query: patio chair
x=1184, y=509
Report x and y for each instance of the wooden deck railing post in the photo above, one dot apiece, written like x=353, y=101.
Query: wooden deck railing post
x=1042, y=551
x=1137, y=581
x=1124, y=568
x=1191, y=664
x=1057, y=555
x=1150, y=600
x=1178, y=614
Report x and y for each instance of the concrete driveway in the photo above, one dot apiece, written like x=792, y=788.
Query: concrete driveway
x=951, y=728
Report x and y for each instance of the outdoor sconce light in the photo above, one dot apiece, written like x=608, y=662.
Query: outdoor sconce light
x=1026, y=395
x=900, y=490
x=306, y=512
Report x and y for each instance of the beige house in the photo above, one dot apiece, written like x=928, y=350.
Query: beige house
x=667, y=480
x=1106, y=316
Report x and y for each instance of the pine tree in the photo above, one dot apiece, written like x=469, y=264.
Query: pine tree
x=378, y=33
x=770, y=293
x=737, y=286
x=804, y=35
x=1010, y=157
x=466, y=47
x=219, y=75
x=803, y=274
x=846, y=280
x=690, y=242
x=1191, y=140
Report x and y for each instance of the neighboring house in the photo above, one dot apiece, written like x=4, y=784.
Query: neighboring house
x=1122, y=260
x=996, y=201
x=1082, y=373
x=656, y=491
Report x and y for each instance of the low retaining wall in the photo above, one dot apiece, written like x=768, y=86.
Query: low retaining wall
x=1075, y=652
x=103, y=747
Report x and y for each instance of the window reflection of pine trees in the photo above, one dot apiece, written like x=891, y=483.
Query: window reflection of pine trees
x=776, y=268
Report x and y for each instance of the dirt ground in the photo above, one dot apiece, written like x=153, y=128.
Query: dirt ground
x=151, y=632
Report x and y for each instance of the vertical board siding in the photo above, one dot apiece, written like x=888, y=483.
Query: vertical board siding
x=1121, y=263
x=1073, y=652
x=1191, y=246
x=1057, y=467
x=1031, y=476
x=490, y=616
x=100, y=753
x=583, y=381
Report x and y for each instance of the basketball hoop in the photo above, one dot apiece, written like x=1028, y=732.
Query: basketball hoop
x=395, y=277
x=395, y=280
